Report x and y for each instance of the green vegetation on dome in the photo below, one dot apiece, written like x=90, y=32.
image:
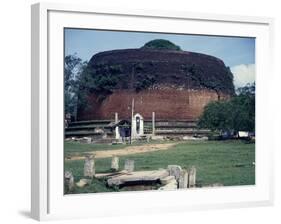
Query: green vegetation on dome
x=161, y=44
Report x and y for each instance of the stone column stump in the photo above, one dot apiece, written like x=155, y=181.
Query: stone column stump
x=174, y=170
x=115, y=163
x=192, y=177
x=89, y=166
x=183, y=179
x=129, y=165
x=68, y=181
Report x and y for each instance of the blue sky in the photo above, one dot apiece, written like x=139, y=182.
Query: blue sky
x=236, y=52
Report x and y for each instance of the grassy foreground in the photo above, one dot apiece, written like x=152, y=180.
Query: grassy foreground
x=226, y=162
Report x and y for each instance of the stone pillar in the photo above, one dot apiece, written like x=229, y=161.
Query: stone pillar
x=129, y=165
x=68, y=181
x=117, y=134
x=192, y=177
x=174, y=170
x=115, y=163
x=183, y=179
x=89, y=166
x=153, y=123
x=116, y=118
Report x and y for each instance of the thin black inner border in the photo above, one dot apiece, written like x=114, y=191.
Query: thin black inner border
x=132, y=31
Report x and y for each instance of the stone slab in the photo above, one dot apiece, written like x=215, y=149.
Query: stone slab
x=138, y=176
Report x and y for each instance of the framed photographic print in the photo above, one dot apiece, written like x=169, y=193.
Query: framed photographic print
x=150, y=111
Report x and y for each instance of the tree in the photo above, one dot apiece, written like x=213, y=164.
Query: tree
x=236, y=114
x=101, y=79
x=73, y=68
x=161, y=44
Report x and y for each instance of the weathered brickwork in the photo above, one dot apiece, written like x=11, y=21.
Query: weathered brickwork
x=166, y=103
x=176, y=85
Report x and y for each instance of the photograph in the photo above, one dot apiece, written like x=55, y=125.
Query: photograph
x=157, y=111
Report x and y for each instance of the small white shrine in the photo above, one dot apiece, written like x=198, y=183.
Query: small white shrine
x=137, y=126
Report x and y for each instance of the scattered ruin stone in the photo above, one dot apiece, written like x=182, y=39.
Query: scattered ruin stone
x=173, y=185
x=174, y=170
x=205, y=138
x=89, y=166
x=87, y=140
x=183, y=179
x=192, y=177
x=167, y=180
x=117, y=143
x=83, y=182
x=195, y=138
x=173, y=138
x=129, y=165
x=187, y=138
x=99, y=130
x=157, y=137
x=68, y=181
x=115, y=163
x=68, y=157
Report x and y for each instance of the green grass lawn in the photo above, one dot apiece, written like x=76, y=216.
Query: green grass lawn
x=226, y=162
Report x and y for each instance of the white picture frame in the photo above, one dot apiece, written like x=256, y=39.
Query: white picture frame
x=48, y=201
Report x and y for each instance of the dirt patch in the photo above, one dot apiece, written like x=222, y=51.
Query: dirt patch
x=126, y=151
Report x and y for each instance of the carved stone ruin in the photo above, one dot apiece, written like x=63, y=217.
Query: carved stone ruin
x=192, y=177
x=115, y=163
x=87, y=140
x=183, y=179
x=89, y=166
x=174, y=170
x=83, y=182
x=172, y=185
x=167, y=180
x=129, y=165
x=68, y=181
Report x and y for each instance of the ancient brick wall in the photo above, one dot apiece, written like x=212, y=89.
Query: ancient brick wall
x=170, y=104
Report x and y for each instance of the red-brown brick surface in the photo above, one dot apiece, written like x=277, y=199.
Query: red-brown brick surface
x=176, y=85
x=173, y=104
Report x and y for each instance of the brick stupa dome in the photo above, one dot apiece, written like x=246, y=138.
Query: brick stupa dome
x=173, y=83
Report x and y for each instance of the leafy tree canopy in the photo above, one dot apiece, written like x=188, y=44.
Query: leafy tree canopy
x=236, y=114
x=73, y=68
x=161, y=44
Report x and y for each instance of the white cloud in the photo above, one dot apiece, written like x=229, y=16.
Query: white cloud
x=243, y=74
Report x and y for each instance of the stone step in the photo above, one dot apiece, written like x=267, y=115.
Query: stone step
x=90, y=126
x=85, y=133
x=89, y=122
x=181, y=132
